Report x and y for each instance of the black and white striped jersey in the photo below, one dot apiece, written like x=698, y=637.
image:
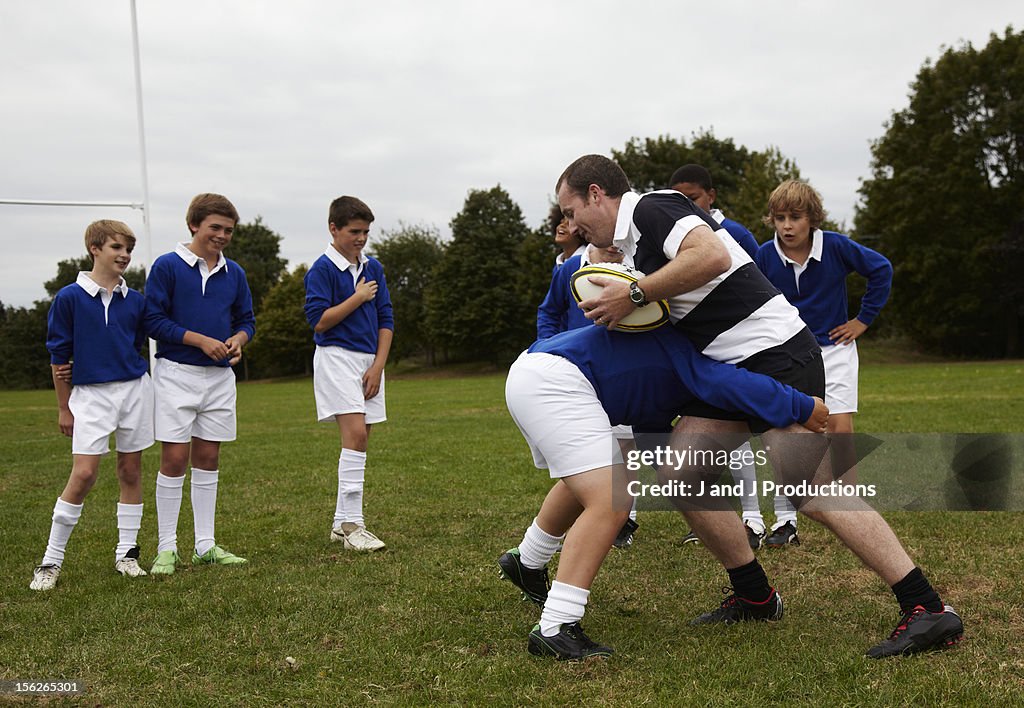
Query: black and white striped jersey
x=732, y=317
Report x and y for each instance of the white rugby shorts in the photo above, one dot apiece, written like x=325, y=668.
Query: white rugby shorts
x=338, y=385
x=558, y=413
x=841, y=369
x=124, y=408
x=193, y=401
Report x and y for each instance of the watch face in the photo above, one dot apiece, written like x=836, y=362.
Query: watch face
x=636, y=294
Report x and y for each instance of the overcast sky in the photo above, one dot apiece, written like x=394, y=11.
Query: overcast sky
x=283, y=106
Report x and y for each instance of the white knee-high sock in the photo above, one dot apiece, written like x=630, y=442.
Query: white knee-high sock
x=168, y=506
x=565, y=605
x=204, y=507
x=351, y=475
x=65, y=516
x=784, y=511
x=537, y=546
x=747, y=475
x=129, y=521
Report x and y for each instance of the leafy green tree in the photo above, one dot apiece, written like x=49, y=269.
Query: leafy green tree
x=536, y=259
x=283, y=345
x=409, y=255
x=474, y=305
x=743, y=178
x=946, y=200
x=258, y=250
x=26, y=363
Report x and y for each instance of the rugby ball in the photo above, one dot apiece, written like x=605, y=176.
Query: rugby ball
x=650, y=316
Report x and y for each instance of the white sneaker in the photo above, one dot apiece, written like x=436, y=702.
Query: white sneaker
x=358, y=540
x=129, y=567
x=44, y=577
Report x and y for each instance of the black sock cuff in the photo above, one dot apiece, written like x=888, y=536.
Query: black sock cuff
x=750, y=582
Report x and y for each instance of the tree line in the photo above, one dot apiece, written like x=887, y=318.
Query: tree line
x=944, y=201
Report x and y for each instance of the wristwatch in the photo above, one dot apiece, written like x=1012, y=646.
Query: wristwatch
x=636, y=295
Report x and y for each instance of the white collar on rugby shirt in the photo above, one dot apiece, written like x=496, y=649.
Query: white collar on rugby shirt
x=816, y=245
x=717, y=215
x=560, y=258
x=624, y=232
x=343, y=263
x=186, y=255
x=93, y=288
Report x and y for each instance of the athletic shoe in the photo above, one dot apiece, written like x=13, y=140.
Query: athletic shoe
x=44, y=577
x=129, y=565
x=164, y=563
x=217, y=556
x=920, y=630
x=691, y=538
x=358, y=540
x=783, y=536
x=625, y=537
x=754, y=538
x=534, y=582
x=570, y=644
x=735, y=609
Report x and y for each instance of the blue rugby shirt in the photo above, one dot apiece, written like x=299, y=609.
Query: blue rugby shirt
x=819, y=289
x=103, y=340
x=329, y=282
x=178, y=300
x=643, y=378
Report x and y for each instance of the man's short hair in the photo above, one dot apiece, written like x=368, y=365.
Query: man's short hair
x=207, y=204
x=594, y=169
x=799, y=197
x=99, y=232
x=346, y=209
x=695, y=174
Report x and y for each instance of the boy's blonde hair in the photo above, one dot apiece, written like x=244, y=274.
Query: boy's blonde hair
x=796, y=197
x=98, y=232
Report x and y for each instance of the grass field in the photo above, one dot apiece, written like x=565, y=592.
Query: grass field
x=449, y=487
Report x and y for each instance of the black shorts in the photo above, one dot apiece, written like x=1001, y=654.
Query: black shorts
x=796, y=362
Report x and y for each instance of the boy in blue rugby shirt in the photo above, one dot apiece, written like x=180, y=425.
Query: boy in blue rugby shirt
x=590, y=379
x=349, y=308
x=98, y=323
x=199, y=310
x=695, y=182
x=810, y=267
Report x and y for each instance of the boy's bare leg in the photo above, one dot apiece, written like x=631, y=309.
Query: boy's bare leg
x=353, y=431
x=84, y=470
x=129, y=477
x=590, y=537
x=559, y=511
x=174, y=458
x=205, y=454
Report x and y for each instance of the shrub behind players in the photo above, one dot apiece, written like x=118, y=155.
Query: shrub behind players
x=349, y=308
x=199, y=310
x=98, y=322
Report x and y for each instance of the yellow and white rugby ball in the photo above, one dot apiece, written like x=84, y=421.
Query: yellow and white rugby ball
x=650, y=316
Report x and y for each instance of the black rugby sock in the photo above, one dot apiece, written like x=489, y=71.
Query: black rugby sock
x=915, y=590
x=750, y=582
